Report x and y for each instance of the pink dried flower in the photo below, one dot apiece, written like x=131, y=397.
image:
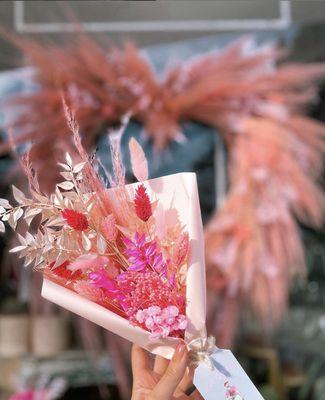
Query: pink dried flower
x=181, y=250
x=173, y=311
x=161, y=322
x=147, y=289
x=152, y=303
x=88, y=261
x=109, y=228
x=142, y=203
x=149, y=323
x=140, y=316
x=153, y=311
x=182, y=322
x=138, y=160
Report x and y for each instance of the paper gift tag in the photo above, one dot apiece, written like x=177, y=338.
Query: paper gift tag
x=227, y=380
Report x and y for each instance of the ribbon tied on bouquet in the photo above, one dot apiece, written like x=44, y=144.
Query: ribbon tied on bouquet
x=200, y=350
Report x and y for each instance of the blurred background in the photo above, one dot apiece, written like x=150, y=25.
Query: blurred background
x=41, y=346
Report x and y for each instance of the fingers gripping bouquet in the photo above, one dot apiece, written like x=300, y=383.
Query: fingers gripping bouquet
x=129, y=258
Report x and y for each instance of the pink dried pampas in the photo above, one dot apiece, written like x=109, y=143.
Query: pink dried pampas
x=138, y=161
x=253, y=243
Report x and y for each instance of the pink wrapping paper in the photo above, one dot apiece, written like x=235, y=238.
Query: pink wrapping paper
x=177, y=191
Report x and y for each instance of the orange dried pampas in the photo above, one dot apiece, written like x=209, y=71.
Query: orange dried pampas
x=253, y=243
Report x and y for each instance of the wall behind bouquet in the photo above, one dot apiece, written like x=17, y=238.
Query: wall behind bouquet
x=164, y=21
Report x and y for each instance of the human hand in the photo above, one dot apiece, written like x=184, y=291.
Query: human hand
x=167, y=380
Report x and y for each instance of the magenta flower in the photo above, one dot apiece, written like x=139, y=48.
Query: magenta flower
x=100, y=279
x=143, y=256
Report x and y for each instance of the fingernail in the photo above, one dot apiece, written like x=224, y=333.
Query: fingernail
x=180, y=351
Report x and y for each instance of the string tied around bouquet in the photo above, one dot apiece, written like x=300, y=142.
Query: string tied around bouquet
x=200, y=350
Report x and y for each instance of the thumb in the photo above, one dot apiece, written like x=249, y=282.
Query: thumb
x=168, y=383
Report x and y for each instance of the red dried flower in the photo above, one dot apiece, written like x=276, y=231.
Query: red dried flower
x=63, y=272
x=142, y=203
x=75, y=219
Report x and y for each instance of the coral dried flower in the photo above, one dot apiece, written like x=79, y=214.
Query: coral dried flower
x=142, y=203
x=109, y=228
x=75, y=219
x=181, y=250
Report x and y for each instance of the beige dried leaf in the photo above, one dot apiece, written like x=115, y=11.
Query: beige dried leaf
x=71, y=195
x=17, y=249
x=65, y=166
x=40, y=197
x=68, y=159
x=12, y=221
x=77, y=168
x=90, y=206
x=18, y=195
x=6, y=217
x=67, y=175
x=21, y=239
x=31, y=212
x=62, y=257
x=57, y=221
x=29, y=238
x=5, y=203
x=18, y=214
x=66, y=185
x=101, y=244
x=86, y=243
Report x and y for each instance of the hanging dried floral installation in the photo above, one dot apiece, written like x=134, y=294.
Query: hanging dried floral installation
x=253, y=245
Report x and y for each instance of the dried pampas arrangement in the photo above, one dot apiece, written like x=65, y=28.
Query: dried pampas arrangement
x=253, y=245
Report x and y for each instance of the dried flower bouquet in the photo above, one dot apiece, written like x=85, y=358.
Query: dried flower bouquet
x=129, y=254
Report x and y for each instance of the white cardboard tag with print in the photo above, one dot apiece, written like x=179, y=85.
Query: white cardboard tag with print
x=226, y=381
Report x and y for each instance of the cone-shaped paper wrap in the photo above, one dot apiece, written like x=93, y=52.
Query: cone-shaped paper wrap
x=178, y=191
